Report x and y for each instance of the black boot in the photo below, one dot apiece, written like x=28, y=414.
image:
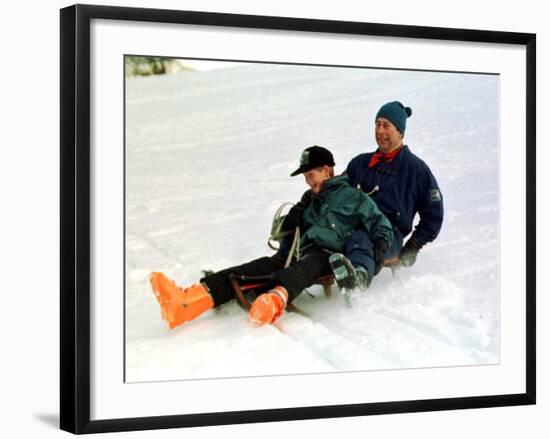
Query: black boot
x=346, y=275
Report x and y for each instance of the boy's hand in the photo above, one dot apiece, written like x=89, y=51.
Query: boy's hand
x=293, y=218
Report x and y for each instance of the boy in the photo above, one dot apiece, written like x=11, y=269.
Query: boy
x=335, y=210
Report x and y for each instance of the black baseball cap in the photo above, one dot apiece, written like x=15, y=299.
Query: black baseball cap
x=314, y=157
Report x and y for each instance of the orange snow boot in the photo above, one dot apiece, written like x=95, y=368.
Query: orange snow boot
x=179, y=305
x=268, y=307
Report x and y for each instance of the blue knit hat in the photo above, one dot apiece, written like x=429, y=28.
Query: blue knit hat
x=396, y=113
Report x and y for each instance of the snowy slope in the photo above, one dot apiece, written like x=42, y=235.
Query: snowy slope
x=208, y=158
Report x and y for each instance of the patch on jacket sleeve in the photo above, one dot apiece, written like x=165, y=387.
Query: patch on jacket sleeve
x=435, y=195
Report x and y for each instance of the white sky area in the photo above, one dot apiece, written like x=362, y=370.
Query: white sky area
x=208, y=65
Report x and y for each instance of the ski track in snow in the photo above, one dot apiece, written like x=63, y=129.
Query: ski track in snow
x=208, y=156
x=338, y=348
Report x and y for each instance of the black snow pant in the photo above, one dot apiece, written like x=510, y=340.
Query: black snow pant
x=297, y=276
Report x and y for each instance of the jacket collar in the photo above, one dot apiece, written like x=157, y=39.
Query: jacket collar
x=332, y=184
x=395, y=165
x=336, y=181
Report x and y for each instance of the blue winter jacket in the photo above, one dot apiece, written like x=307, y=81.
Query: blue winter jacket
x=401, y=188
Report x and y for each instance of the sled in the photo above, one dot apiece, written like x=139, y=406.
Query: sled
x=393, y=263
x=246, y=287
x=250, y=287
x=253, y=286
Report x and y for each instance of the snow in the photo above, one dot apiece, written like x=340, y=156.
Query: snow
x=208, y=158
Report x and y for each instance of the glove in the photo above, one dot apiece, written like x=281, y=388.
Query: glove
x=408, y=253
x=268, y=307
x=293, y=218
x=380, y=250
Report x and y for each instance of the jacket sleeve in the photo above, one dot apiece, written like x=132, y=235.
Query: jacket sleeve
x=429, y=207
x=375, y=222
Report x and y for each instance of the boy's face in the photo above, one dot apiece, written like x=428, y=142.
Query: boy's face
x=315, y=178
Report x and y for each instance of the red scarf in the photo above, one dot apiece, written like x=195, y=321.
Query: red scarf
x=379, y=156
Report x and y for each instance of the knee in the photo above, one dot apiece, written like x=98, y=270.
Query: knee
x=359, y=240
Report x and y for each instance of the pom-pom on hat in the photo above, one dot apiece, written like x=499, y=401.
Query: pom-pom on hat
x=396, y=113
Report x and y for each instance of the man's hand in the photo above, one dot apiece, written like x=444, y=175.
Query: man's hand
x=380, y=250
x=409, y=252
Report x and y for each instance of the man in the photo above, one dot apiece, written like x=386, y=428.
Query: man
x=401, y=184
x=335, y=210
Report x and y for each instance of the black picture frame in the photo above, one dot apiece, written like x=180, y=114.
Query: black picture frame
x=75, y=213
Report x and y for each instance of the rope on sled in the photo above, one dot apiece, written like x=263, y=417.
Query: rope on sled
x=277, y=234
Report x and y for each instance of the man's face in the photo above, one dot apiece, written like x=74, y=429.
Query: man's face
x=387, y=135
x=315, y=178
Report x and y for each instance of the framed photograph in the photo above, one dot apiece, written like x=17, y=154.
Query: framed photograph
x=179, y=134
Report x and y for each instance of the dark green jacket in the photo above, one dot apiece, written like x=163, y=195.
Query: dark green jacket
x=338, y=210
